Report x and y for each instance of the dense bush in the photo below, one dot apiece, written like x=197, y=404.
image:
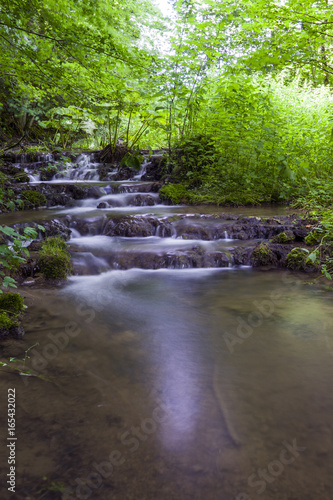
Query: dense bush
x=174, y=193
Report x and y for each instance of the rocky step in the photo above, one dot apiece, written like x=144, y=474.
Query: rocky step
x=192, y=258
x=204, y=227
x=88, y=263
x=67, y=194
x=185, y=227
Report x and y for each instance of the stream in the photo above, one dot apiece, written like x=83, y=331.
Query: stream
x=173, y=376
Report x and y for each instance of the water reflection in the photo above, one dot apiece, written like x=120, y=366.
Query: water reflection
x=152, y=338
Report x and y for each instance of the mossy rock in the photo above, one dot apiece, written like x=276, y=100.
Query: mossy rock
x=47, y=173
x=285, y=237
x=174, y=193
x=10, y=327
x=54, y=259
x=298, y=260
x=314, y=237
x=262, y=255
x=22, y=177
x=6, y=322
x=12, y=303
x=35, y=198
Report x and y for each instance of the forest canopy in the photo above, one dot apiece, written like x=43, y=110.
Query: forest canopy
x=238, y=92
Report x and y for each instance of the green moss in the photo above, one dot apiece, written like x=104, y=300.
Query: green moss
x=34, y=197
x=262, y=255
x=22, y=177
x=6, y=322
x=174, y=193
x=284, y=237
x=12, y=303
x=297, y=259
x=314, y=237
x=47, y=173
x=54, y=259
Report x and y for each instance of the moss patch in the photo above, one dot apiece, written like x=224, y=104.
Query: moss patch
x=262, y=255
x=12, y=303
x=35, y=198
x=314, y=237
x=174, y=193
x=6, y=322
x=284, y=237
x=47, y=173
x=54, y=259
x=11, y=306
x=298, y=259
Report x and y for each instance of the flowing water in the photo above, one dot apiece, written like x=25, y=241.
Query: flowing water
x=172, y=383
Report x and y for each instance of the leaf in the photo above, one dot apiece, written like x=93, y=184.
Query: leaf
x=312, y=257
x=9, y=231
x=31, y=232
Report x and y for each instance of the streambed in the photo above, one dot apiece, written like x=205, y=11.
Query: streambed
x=175, y=383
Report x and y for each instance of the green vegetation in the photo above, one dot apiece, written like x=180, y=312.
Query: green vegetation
x=11, y=306
x=54, y=259
x=241, y=96
x=174, y=193
x=6, y=322
x=19, y=366
x=46, y=173
x=13, y=252
x=301, y=259
x=34, y=198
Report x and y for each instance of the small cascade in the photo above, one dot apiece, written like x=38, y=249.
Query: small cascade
x=113, y=227
x=84, y=168
x=142, y=171
x=33, y=178
x=75, y=233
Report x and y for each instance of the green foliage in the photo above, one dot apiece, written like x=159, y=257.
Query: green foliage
x=13, y=252
x=302, y=259
x=314, y=237
x=54, y=259
x=46, y=173
x=191, y=159
x=18, y=366
x=35, y=198
x=174, y=193
x=132, y=159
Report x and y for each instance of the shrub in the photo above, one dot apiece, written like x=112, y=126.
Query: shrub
x=174, y=193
